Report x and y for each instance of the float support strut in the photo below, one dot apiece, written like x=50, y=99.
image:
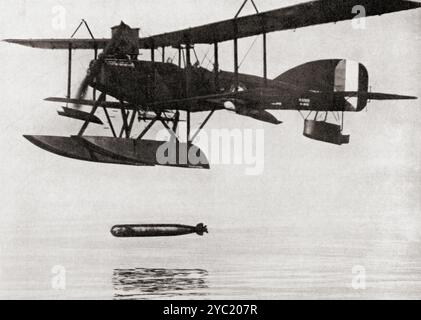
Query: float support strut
x=94, y=108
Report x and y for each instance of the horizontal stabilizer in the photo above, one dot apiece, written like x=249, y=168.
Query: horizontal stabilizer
x=374, y=95
x=79, y=115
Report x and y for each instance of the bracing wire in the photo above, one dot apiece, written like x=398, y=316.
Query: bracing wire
x=248, y=51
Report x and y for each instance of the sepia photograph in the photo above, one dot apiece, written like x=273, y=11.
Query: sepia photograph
x=242, y=150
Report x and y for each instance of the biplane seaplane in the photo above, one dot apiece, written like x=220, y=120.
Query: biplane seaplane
x=162, y=92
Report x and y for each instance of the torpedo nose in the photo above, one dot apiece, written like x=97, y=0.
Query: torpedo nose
x=120, y=231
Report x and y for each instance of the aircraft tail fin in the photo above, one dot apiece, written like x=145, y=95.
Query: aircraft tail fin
x=345, y=80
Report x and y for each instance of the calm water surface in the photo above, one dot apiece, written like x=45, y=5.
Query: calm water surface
x=278, y=261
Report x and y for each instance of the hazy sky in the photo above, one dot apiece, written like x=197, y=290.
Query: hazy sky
x=320, y=186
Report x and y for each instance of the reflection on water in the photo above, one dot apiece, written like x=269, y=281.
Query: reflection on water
x=142, y=283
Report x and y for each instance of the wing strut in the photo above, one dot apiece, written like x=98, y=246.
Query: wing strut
x=236, y=67
x=216, y=66
x=265, y=59
x=236, y=37
x=188, y=84
x=69, y=73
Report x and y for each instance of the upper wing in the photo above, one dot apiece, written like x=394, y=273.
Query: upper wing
x=292, y=17
x=61, y=43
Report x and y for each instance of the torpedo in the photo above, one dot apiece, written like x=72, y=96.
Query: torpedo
x=156, y=230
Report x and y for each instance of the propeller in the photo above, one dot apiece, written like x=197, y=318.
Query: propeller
x=93, y=71
x=96, y=66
